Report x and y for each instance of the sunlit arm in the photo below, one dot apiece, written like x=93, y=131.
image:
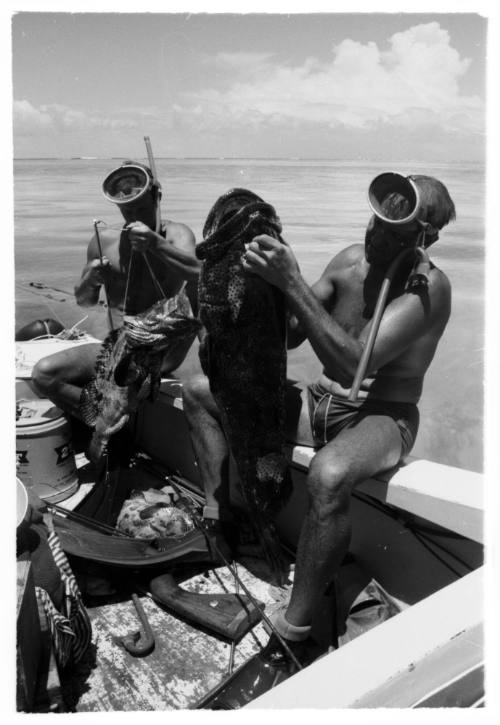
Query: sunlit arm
x=338, y=351
x=88, y=288
x=179, y=256
x=406, y=319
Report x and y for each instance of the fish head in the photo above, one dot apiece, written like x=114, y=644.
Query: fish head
x=226, y=206
x=166, y=317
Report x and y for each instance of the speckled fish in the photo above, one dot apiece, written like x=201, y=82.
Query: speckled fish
x=129, y=367
x=244, y=355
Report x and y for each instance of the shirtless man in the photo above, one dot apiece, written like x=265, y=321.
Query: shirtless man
x=354, y=440
x=122, y=270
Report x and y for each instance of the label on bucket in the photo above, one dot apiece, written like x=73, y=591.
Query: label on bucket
x=46, y=460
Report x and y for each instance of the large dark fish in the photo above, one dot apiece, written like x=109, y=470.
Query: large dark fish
x=128, y=368
x=244, y=356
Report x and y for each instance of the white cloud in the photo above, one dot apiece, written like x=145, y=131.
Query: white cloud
x=415, y=81
x=55, y=117
x=28, y=118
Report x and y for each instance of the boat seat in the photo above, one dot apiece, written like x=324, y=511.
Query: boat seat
x=445, y=495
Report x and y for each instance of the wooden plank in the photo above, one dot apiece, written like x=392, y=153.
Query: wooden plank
x=186, y=662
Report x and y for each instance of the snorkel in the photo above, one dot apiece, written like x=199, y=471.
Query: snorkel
x=156, y=183
x=380, y=189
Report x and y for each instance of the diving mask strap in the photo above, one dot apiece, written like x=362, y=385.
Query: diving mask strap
x=419, y=275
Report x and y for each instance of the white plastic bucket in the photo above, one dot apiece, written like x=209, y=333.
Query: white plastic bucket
x=45, y=456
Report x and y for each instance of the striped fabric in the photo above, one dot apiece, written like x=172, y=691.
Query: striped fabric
x=70, y=629
x=60, y=628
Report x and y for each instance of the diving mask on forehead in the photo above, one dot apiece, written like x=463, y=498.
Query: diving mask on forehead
x=395, y=201
x=127, y=184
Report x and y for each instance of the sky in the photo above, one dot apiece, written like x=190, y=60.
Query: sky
x=361, y=86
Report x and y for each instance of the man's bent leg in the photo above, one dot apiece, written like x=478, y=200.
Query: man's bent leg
x=209, y=443
x=60, y=377
x=357, y=453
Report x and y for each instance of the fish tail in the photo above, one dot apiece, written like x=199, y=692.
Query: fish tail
x=273, y=551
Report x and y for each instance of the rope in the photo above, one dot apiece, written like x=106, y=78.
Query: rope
x=153, y=276
x=155, y=280
x=127, y=284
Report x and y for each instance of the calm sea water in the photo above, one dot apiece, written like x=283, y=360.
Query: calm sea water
x=323, y=208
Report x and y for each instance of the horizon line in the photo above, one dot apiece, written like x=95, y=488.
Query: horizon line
x=247, y=158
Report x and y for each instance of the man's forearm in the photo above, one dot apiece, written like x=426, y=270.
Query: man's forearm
x=295, y=335
x=338, y=352
x=177, y=258
x=87, y=293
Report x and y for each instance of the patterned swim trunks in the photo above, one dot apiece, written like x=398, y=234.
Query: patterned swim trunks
x=329, y=414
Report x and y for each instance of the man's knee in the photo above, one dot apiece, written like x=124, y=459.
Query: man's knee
x=329, y=483
x=195, y=393
x=45, y=375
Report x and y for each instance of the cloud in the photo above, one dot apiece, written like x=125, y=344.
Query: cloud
x=415, y=81
x=28, y=118
x=247, y=65
x=59, y=118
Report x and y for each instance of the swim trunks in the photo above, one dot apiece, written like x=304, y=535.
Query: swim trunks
x=329, y=414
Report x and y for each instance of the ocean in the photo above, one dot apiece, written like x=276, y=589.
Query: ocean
x=323, y=208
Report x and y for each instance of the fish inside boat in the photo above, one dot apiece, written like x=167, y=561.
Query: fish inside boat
x=169, y=628
x=136, y=603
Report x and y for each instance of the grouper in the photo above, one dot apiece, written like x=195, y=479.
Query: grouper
x=129, y=366
x=243, y=354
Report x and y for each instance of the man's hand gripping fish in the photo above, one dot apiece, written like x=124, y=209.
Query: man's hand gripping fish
x=129, y=367
x=244, y=356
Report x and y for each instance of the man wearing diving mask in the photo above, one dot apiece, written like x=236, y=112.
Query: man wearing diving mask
x=144, y=261
x=358, y=435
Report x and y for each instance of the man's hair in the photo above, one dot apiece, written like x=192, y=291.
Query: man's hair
x=436, y=205
x=156, y=184
x=127, y=162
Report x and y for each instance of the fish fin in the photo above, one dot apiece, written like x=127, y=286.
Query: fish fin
x=126, y=371
x=88, y=406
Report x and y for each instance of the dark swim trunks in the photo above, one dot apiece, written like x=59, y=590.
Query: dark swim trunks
x=330, y=414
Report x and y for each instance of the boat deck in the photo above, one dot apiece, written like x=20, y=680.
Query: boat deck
x=185, y=664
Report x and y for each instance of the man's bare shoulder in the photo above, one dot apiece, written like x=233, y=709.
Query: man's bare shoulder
x=439, y=278
x=179, y=234
x=346, y=259
x=107, y=239
x=439, y=285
